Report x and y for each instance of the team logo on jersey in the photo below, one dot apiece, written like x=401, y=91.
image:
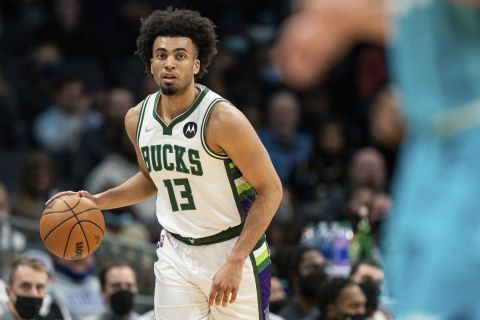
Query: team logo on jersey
x=190, y=129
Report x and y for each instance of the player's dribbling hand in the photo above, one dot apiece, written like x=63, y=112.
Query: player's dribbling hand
x=81, y=193
x=225, y=284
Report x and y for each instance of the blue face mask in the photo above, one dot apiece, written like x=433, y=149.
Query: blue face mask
x=75, y=276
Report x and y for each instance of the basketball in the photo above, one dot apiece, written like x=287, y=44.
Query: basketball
x=72, y=227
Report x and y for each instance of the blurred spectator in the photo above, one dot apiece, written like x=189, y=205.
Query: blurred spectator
x=339, y=299
x=285, y=144
x=37, y=180
x=35, y=89
x=10, y=238
x=26, y=289
x=51, y=309
x=12, y=128
x=283, y=229
x=58, y=129
x=107, y=139
x=386, y=119
x=121, y=222
x=68, y=28
x=367, y=170
x=77, y=287
x=369, y=276
x=325, y=170
x=119, y=287
x=278, y=296
x=306, y=275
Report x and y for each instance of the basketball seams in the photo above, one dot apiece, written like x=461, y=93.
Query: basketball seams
x=66, y=220
x=78, y=223
x=68, y=240
x=62, y=211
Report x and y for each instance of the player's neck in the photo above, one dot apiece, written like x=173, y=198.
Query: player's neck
x=170, y=106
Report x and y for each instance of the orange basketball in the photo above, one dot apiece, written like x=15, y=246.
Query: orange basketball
x=72, y=227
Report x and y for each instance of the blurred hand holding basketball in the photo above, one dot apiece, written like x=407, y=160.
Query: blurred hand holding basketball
x=72, y=226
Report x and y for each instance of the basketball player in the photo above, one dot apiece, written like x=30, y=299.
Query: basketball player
x=216, y=187
x=433, y=238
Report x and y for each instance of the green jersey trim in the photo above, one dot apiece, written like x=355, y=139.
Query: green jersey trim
x=236, y=196
x=167, y=129
x=140, y=118
x=204, y=125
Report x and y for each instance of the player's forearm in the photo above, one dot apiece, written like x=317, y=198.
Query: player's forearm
x=134, y=190
x=258, y=219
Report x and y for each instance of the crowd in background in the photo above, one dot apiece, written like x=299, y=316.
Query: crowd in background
x=68, y=75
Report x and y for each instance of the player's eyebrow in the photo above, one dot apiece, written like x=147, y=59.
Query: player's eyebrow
x=174, y=50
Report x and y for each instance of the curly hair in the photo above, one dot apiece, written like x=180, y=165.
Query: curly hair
x=178, y=23
x=329, y=292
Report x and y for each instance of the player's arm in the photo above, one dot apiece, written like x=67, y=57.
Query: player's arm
x=320, y=33
x=136, y=189
x=230, y=132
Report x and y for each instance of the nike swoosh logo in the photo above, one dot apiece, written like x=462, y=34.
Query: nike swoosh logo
x=147, y=129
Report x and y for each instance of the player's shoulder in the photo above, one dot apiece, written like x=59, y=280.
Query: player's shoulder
x=131, y=119
x=224, y=112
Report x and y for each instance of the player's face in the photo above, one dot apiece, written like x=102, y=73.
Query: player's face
x=174, y=63
x=28, y=282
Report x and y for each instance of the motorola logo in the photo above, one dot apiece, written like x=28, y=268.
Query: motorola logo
x=190, y=129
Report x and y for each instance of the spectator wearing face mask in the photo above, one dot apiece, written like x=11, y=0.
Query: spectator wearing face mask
x=341, y=299
x=77, y=287
x=306, y=275
x=119, y=287
x=25, y=290
x=369, y=276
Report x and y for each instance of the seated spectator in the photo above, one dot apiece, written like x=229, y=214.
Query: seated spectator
x=278, y=296
x=339, y=299
x=26, y=289
x=10, y=238
x=369, y=276
x=58, y=129
x=367, y=169
x=285, y=144
x=37, y=181
x=119, y=287
x=51, y=309
x=96, y=145
x=306, y=275
x=77, y=287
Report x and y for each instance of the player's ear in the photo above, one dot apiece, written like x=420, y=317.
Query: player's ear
x=151, y=66
x=196, y=66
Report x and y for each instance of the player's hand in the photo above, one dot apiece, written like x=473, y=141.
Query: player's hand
x=81, y=193
x=225, y=284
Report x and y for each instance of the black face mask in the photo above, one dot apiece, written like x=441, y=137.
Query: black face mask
x=310, y=283
x=28, y=307
x=121, y=302
x=278, y=305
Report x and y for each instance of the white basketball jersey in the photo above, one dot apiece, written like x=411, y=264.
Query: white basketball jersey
x=200, y=193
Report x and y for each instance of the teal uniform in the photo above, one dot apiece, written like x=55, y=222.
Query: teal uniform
x=433, y=235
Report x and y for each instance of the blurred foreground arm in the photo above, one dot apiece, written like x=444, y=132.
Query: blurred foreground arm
x=321, y=32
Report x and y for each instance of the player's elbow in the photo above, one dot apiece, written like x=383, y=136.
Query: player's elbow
x=276, y=192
